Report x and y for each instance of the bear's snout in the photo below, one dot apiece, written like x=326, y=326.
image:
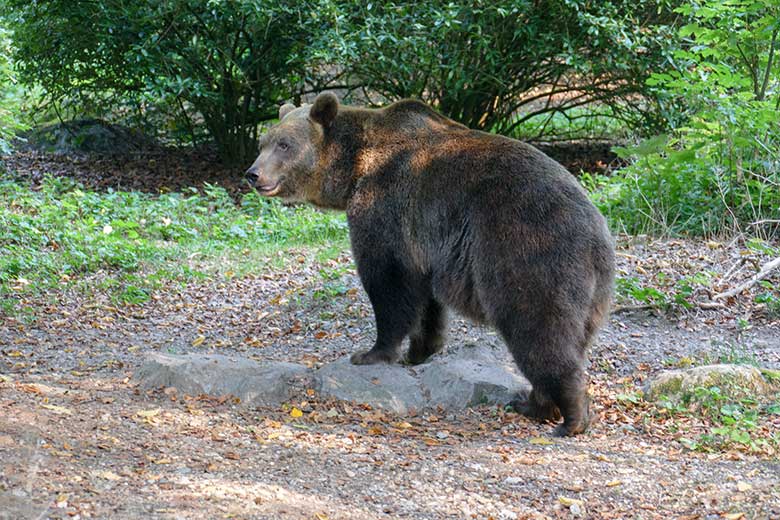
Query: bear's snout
x=251, y=175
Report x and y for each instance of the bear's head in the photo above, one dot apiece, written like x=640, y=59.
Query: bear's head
x=291, y=150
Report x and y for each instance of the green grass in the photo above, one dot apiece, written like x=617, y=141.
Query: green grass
x=575, y=123
x=734, y=421
x=62, y=235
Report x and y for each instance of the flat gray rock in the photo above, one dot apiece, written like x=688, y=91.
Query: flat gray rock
x=471, y=375
x=254, y=383
x=392, y=387
x=460, y=377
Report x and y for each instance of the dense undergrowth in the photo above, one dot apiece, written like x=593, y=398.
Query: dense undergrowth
x=55, y=235
x=717, y=172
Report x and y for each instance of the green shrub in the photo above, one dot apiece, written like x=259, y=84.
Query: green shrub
x=720, y=170
x=492, y=64
x=229, y=62
x=10, y=96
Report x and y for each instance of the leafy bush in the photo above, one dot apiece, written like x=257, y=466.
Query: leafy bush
x=720, y=170
x=225, y=65
x=9, y=96
x=497, y=64
x=231, y=61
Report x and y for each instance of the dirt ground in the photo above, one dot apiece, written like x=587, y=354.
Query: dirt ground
x=78, y=439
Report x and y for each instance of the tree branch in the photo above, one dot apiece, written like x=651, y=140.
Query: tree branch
x=763, y=273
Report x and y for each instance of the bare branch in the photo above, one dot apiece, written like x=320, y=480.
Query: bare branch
x=763, y=273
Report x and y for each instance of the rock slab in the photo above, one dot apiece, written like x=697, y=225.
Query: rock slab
x=391, y=387
x=254, y=383
x=463, y=376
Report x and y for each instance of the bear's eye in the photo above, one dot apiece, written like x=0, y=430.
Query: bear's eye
x=283, y=146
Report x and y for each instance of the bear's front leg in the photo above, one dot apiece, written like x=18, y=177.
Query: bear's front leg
x=397, y=296
x=427, y=338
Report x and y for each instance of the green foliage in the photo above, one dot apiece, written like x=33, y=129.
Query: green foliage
x=10, y=95
x=720, y=169
x=226, y=64
x=494, y=64
x=733, y=421
x=63, y=232
x=333, y=284
x=664, y=293
x=589, y=122
x=229, y=61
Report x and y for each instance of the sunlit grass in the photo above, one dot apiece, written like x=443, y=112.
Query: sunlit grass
x=62, y=233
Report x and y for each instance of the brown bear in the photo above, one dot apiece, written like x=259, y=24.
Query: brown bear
x=443, y=216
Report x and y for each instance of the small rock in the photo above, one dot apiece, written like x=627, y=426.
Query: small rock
x=734, y=381
x=513, y=480
x=455, y=379
x=576, y=509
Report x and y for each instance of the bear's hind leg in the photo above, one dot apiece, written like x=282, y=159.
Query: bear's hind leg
x=555, y=395
x=536, y=405
x=553, y=362
x=427, y=338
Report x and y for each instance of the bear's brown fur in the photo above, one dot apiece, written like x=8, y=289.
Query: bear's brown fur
x=443, y=216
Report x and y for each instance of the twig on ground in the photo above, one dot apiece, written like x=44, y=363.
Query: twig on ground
x=763, y=273
x=628, y=308
x=710, y=305
x=734, y=269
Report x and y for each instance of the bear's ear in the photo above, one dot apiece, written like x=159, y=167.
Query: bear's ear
x=324, y=109
x=285, y=109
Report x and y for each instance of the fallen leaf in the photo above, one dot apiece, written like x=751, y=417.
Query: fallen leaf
x=148, y=414
x=295, y=412
x=743, y=486
x=106, y=475
x=613, y=483
x=541, y=441
x=31, y=389
x=57, y=409
x=568, y=502
x=198, y=341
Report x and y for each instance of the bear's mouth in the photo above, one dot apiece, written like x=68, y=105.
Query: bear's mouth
x=270, y=191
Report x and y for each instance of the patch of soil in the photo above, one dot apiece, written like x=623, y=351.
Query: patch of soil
x=86, y=136
x=151, y=171
x=78, y=438
x=584, y=156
